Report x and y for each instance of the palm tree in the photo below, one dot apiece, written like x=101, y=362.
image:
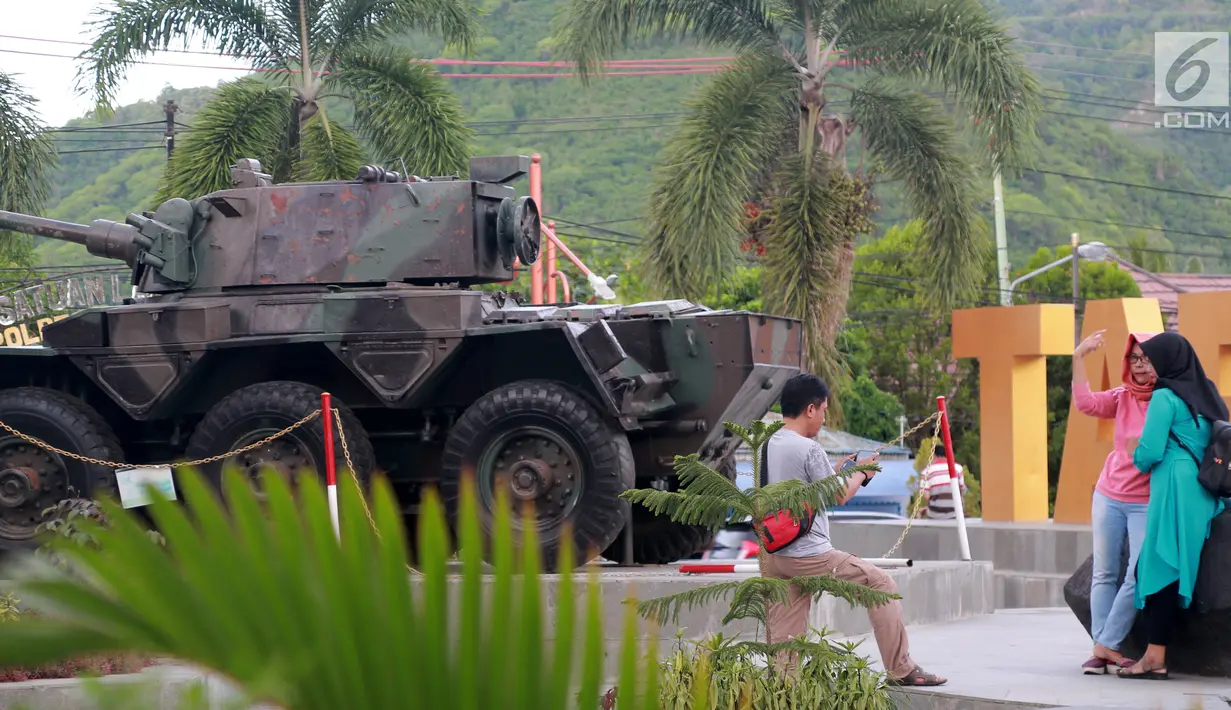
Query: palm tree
x=26, y=159
x=306, y=51
x=764, y=131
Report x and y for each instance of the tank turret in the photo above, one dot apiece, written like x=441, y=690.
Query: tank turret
x=382, y=227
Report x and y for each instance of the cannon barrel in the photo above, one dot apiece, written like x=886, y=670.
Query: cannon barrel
x=102, y=237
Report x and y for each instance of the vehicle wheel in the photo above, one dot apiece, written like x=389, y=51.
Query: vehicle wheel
x=545, y=444
x=657, y=540
x=253, y=413
x=33, y=478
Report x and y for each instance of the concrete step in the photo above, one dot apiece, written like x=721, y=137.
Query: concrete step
x=1029, y=590
x=1036, y=548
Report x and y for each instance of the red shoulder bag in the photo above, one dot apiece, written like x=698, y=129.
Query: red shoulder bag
x=780, y=530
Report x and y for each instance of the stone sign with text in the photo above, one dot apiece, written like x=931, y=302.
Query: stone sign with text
x=25, y=310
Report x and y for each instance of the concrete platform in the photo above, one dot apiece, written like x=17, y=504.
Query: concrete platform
x=932, y=592
x=1031, y=658
x=1031, y=561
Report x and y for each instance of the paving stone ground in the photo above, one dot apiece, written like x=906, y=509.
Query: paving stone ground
x=1032, y=658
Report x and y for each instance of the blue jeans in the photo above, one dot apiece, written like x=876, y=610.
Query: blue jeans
x=1111, y=610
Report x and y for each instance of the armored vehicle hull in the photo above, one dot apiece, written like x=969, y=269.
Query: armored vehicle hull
x=564, y=406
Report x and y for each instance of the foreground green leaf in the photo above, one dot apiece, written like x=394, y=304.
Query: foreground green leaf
x=264, y=594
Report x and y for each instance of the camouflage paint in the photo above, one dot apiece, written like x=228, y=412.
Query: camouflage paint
x=361, y=288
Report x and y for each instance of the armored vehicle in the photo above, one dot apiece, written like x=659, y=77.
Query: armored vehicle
x=245, y=304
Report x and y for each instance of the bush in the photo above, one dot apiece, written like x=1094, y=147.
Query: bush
x=87, y=665
x=718, y=674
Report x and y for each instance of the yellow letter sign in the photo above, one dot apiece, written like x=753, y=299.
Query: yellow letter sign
x=1087, y=440
x=1011, y=344
x=1203, y=320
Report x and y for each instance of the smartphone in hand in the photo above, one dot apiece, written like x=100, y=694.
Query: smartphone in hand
x=861, y=455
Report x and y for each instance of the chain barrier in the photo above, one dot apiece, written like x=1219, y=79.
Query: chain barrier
x=350, y=466
x=936, y=417
x=112, y=464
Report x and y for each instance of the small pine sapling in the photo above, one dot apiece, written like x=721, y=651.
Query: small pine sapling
x=707, y=498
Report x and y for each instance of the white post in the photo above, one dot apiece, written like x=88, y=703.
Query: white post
x=958, y=508
x=1002, y=241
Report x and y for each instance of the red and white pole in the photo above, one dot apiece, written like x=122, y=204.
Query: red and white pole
x=331, y=471
x=752, y=566
x=536, y=193
x=954, y=488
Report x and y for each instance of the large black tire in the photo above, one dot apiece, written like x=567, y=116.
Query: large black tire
x=579, y=465
x=657, y=540
x=32, y=478
x=257, y=411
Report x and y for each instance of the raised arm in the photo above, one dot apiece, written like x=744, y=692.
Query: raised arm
x=1093, y=404
x=1159, y=416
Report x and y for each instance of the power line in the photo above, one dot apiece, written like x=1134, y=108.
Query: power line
x=1125, y=224
x=1084, y=48
x=105, y=150
x=1107, y=181
x=674, y=70
x=577, y=130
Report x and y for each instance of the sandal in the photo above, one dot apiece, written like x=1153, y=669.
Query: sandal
x=919, y=678
x=1094, y=666
x=1144, y=674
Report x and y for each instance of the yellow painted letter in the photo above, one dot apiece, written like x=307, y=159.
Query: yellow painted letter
x=1203, y=320
x=1011, y=343
x=1087, y=440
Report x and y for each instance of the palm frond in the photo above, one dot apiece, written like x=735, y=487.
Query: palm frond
x=352, y=23
x=406, y=110
x=853, y=593
x=755, y=434
x=705, y=174
x=27, y=157
x=260, y=592
x=911, y=137
x=797, y=497
x=591, y=31
x=753, y=598
x=666, y=609
x=809, y=234
x=964, y=48
x=136, y=28
x=328, y=151
x=244, y=119
x=712, y=513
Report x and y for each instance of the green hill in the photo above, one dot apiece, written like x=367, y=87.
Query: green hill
x=600, y=143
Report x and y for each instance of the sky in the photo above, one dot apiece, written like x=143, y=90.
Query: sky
x=51, y=80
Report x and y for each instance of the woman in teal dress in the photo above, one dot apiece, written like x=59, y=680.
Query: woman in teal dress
x=1173, y=441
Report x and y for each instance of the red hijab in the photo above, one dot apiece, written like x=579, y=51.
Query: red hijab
x=1139, y=392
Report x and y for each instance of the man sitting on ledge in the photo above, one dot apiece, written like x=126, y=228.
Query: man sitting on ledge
x=793, y=452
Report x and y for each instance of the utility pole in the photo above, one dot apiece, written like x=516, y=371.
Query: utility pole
x=1076, y=290
x=1002, y=242
x=169, y=134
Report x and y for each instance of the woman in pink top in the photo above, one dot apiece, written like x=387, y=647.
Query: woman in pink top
x=1120, y=497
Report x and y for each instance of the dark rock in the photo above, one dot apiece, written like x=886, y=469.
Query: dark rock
x=1199, y=645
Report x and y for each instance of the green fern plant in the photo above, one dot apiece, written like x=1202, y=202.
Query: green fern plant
x=707, y=498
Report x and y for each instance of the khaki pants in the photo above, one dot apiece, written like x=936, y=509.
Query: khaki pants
x=791, y=620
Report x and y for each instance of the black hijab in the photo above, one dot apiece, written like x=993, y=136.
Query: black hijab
x=1180, y=371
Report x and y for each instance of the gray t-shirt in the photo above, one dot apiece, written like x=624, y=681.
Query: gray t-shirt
x=794, y=456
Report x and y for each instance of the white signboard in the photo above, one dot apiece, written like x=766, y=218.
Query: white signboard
x=132, y=482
